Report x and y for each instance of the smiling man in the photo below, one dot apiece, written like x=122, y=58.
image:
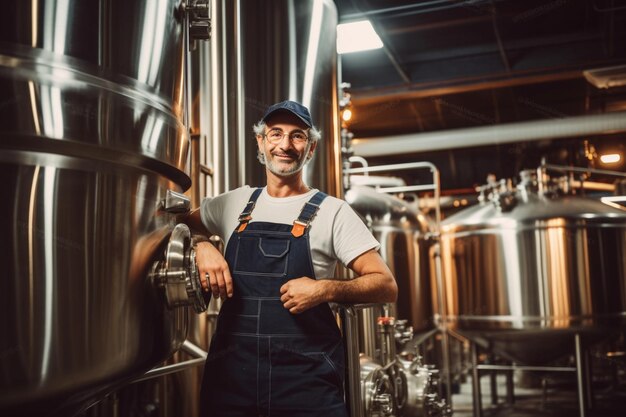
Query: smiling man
x=277, y=350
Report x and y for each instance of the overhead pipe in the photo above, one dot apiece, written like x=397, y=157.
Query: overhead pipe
x=491, y=135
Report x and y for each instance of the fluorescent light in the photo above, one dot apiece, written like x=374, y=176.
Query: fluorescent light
x=610, y=158
x=356, y=37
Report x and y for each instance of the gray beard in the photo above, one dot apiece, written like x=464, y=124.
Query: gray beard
x=295, y=167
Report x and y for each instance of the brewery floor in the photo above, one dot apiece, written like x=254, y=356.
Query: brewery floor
x=560, y=399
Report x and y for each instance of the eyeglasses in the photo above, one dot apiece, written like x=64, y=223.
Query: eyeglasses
x=274, y=136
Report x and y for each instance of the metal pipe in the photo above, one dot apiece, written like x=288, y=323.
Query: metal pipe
x=493, y=386
x=390, y=167
x=360, y=160
x=169, y=369
x=443, y=325
x=491, y=135
x=510, y=389
x=580, y=377
x=562, y=168
x=399, y=167
x=526, y=368
x=476, y=392
x=198, y=354
x=348, y=318
x=194, y=350
x=241, y=131
x=206, y=170
x=405, y=188
x=195, y=170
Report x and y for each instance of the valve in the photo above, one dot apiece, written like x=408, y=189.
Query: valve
x=198, y=12
x=383, y=403
x=403, y=332
x=377, y=391
x=177, y=274
x=174, y=203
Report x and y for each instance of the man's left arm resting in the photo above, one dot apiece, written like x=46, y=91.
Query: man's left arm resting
x=374, y=284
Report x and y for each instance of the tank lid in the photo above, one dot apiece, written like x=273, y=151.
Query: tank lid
x=383, y=209
x=510, y=208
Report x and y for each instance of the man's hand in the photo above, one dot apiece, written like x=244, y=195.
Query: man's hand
x=212, y=265
x=301, y=294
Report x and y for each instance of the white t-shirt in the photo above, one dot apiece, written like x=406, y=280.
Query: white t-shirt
x=336, y=232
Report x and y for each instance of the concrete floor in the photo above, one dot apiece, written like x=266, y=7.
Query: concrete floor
x=560, y=399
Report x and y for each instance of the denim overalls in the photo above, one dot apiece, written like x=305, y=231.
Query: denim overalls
x=263, y=360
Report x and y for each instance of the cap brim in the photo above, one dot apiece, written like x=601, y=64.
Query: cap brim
x=268, y=115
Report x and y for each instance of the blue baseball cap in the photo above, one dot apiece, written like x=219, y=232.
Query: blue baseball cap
x=293, y=107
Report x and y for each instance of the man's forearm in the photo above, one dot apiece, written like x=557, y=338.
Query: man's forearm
x=370, y=288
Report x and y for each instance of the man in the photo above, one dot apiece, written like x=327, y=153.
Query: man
x=277, y=350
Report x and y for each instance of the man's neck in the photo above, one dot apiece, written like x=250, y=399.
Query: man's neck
x=285, y=186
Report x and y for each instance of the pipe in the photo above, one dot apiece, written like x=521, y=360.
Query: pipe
x=476, y=391
x=565, y=169
x=514, y=367
x=199, y=358
x=491, y=135
x=360, y=160
x=580, y=377
x=435, y=186
x=353, y=365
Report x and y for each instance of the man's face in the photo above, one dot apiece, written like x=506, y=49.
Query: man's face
x=287, y=155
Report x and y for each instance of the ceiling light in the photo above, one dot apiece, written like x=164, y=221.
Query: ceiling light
x=607, y=77
x=356, y=37
x=610, y=158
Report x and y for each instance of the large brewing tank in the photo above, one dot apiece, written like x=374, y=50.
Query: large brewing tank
x=403, y=233
x=531, y=266
x=91, y=138
x=263, y=52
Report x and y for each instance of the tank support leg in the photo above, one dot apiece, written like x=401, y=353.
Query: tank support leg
x=353, y=364
x=447, y=372
x=476, y=392
x=510, y=390
x=588, y=380
x=493, y=383
x=581, y=380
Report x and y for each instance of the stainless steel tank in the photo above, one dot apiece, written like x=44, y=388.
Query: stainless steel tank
x=91, y=138
x=403, y=233
x=263, y=52
x=532, y=266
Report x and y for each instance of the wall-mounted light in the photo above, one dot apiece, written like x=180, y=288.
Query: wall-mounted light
x=610, y=158
x=345, y=105
x=356, y=37
x=346, y=114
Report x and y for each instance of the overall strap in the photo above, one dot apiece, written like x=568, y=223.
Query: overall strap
x=245, y=215
x=307, y=214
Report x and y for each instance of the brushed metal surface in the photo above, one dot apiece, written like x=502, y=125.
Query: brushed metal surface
x=403, y=236
x=264, y=52
x=91, y=138
x=524, y=281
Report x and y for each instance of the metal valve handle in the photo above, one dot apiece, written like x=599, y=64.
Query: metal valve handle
x=178, y=274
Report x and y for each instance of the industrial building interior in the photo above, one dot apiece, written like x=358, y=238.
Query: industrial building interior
x=448, y=65
x=483, y=143
x=448, y=68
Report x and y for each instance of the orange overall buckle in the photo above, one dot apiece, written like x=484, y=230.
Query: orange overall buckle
x=243, y=223
x=298, y=228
